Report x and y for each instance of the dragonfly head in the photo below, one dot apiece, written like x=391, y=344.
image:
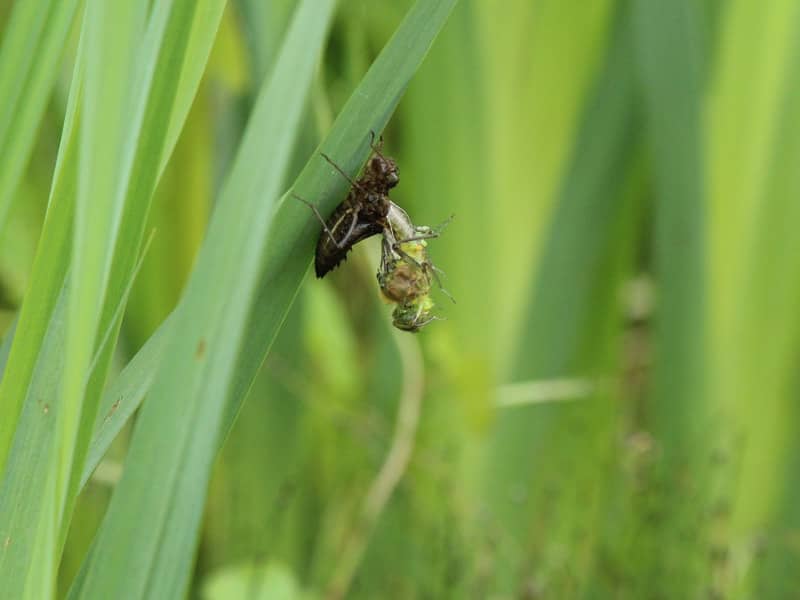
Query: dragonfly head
x=385, y=170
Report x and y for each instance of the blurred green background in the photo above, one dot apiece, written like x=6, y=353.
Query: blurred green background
x=607, y=411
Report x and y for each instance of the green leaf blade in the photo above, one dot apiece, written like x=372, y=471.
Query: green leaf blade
x=167, y=449
x=289, y=250
x=160, y=95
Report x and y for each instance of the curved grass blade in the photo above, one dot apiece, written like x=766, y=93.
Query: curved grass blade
x=289, y=251
x=175, y=48
x=146, y=544
x=110, y=34
x=49, y=270
x=124, y=396
x=159, y=97
x=53, y=252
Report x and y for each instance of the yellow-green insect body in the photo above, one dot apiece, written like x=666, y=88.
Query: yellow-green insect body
x=414, y=315
x=402, y=279
x=406, y=272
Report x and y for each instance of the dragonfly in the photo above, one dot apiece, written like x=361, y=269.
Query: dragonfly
x=406, y=273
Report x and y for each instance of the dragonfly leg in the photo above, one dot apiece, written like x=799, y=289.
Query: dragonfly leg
x=376, y=147
x=349, y=233
x=341, y=172
x=322, y=221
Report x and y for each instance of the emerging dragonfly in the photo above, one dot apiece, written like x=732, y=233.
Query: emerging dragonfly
x=361, y=215
x=405, y=272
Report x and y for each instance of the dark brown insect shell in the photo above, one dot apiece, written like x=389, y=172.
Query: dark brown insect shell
x=380, y=175
x=354, y=220
x=361, y=215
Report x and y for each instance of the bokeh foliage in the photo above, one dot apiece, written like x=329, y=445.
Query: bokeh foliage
x=608, y=409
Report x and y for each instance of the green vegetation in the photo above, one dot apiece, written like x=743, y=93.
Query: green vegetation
x=606, y=412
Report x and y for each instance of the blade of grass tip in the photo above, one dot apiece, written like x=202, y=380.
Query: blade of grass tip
x=103, y=345
x=29, y=59
x=141, y=376
x=288, y=252
x=146, y=543
x=124, y=396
